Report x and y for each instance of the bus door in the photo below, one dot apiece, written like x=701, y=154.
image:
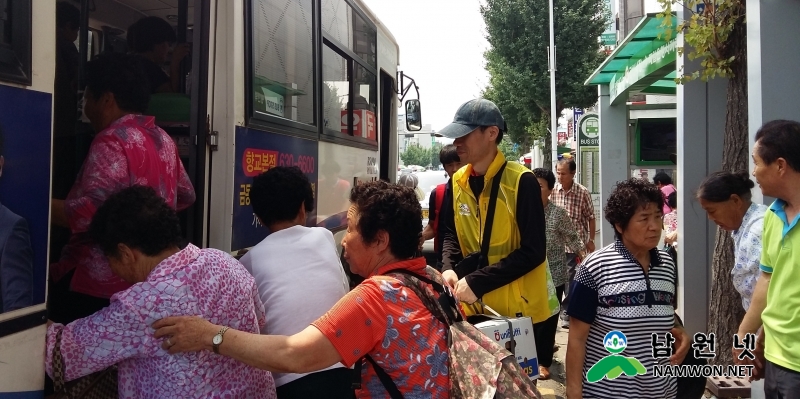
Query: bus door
x=388, y=133
x=180, y=111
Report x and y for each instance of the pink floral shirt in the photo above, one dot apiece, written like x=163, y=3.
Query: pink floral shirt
x=204, y=282
x=671, y=221
x=131, y=151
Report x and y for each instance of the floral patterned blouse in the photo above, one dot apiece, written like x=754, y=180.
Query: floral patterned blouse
x=671, y=221
x=131, y=151
x=198, y=282
x=386, y=320
x=747, y=249
x=560, y=232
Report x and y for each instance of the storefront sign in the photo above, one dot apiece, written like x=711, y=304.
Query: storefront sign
x=661, y=57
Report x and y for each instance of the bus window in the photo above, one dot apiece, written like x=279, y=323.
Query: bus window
x=282, y=60
x=365, y=104
x=335, y=91
x=336, y=17
x=347, y=28
x=365, y=40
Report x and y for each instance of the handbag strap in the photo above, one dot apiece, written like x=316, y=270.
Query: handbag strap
x=675, y=300
x=487, y=229
x=58, y=364
x=675, y=284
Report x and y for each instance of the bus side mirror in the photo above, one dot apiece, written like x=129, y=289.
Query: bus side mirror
x=413, y=116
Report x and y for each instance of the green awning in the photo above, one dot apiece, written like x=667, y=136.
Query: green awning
x=643, y=63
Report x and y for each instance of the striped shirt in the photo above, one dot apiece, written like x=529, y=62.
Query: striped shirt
x=612, y=292
x=578, y=203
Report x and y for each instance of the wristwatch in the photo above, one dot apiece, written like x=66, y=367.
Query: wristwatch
x=217, y=340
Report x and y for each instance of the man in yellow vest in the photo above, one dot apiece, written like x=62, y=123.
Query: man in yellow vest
x=514, y=279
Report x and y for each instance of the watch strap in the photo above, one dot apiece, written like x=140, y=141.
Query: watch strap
x=221, y=333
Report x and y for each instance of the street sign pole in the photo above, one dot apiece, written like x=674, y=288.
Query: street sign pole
x=553, y=111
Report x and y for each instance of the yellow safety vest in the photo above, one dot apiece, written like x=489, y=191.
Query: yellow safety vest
x=529, y=294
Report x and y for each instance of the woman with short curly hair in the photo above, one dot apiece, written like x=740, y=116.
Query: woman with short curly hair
x=625, y=290
x=380, y=318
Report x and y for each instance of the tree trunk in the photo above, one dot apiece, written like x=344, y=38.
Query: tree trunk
x=545, y=123
x=725, y=310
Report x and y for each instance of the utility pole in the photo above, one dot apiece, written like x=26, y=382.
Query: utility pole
x=551, y=54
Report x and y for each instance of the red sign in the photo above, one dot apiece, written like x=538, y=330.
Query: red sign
x=256, y=161
x=562, y=136
x=363, y=123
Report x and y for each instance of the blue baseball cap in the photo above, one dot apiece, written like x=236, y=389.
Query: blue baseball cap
x=472, y=115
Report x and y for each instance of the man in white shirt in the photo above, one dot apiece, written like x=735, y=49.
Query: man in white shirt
x=298, y=274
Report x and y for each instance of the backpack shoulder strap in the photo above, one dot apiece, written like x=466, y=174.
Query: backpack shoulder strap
x=439, y=200
x=383, y=376
x=386, y=380
x=440, y=191
x=444, y=306
x=436, y=306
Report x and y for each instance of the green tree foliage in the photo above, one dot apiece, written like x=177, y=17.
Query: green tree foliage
x=518, y=33
x=511, y=150
x=416, y=155
x=707, y=35
x=437, y=146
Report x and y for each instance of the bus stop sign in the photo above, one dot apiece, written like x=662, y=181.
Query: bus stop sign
x=589, y=130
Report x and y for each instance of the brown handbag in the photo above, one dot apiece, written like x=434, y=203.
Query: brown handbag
x=99, y=385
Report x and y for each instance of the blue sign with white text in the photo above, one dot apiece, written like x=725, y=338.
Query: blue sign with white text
x=256, y=152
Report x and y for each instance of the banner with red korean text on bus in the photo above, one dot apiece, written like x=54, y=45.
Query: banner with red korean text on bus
x=363, y=123
x=257, y=152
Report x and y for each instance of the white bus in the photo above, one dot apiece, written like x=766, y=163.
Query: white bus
x=309, y=83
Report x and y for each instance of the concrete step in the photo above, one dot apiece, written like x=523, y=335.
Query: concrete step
x=727, y=387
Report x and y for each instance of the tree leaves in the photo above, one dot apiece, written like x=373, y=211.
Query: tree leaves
x=519, y=83
x=706, y=35
x=416, y=155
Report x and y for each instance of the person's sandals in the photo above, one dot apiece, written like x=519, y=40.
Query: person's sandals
x=544, y=373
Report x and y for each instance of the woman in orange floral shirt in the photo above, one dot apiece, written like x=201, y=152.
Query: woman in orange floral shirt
x=380, y=318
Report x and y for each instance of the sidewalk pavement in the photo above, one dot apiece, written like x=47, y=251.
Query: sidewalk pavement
x=554, y=388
